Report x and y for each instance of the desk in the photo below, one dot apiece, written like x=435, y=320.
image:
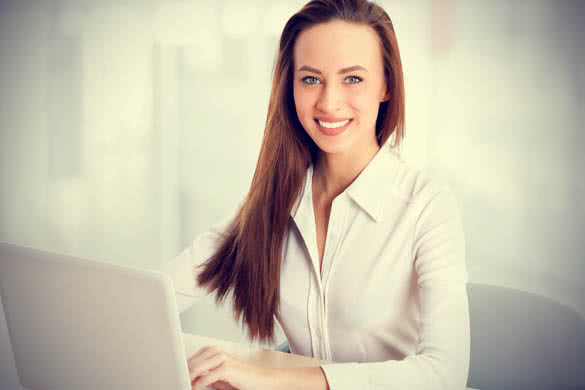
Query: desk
x=251, y=353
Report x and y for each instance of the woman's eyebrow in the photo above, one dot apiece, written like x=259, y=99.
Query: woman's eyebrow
x=352, y=69
x=341, y=71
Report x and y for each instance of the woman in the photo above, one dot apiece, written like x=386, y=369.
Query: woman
x=359, y=257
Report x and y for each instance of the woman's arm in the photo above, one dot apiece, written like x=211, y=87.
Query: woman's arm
x=212, y=366
x=310, y=378
x=182, y=269
x=442, y=356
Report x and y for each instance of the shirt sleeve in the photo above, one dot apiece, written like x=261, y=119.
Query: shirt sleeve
x=182, y=269
x=442, y=357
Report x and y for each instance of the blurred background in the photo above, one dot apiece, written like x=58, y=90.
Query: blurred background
x=129, y=127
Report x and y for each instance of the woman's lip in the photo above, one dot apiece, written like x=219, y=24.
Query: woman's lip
x=334, y=131
x=331, y=120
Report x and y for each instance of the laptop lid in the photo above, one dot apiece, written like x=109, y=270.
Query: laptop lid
x=81, y=324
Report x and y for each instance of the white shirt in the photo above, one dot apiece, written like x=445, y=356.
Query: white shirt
x=390, y=303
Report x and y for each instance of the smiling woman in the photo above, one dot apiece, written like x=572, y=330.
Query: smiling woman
x=357, y=255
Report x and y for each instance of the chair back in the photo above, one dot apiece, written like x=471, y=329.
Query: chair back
x=521, y=340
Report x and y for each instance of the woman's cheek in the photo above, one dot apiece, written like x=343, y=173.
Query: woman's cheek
x=302, y=102
x=357, y=102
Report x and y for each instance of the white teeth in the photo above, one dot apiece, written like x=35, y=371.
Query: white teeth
x=333, y=125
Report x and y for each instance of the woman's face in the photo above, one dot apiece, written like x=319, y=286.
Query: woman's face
x=338, y=85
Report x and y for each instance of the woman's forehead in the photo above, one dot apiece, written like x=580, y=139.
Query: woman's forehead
x=334, y=45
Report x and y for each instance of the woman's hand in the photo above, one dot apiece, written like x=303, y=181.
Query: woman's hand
x=211, y=366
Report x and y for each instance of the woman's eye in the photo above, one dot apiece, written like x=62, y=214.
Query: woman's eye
x=353, y=80
x=311, y=80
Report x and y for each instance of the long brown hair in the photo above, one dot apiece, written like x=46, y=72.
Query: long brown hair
x=248, y=260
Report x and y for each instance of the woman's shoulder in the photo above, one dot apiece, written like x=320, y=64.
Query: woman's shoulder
x=416, y=185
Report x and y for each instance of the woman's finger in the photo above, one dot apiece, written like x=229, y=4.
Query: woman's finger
x=210, y=378
x=201, y=367
x=202, y=355
x=207, y=350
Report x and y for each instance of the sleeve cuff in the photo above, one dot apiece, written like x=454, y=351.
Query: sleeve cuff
x=344, y=376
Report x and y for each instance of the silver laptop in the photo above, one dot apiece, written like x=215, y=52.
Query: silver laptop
x=79, y=324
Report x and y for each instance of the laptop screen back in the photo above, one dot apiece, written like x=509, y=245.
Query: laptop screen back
x=80, y=324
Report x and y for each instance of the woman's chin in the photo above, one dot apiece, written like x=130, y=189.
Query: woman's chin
x=333, y=146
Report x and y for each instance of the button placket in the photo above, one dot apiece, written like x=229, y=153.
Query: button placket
x=323, y=337
x=330, y=242
x=338, y=218
x=315, y=319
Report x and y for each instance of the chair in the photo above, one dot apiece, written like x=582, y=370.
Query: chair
x=521, y=340
x=284, y=347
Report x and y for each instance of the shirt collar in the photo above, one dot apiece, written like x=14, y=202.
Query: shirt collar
x=369, y=190
x=303, y=207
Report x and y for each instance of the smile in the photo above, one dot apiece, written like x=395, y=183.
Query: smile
x=333, y=125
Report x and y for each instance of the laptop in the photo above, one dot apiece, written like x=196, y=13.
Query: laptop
x=80, y=324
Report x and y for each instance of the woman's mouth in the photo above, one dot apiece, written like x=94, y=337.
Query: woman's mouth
x=332, y=127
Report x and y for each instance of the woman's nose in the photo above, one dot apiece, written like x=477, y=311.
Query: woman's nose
x=329, y=99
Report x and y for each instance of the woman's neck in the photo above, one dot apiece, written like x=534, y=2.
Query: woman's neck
x=333, y=173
